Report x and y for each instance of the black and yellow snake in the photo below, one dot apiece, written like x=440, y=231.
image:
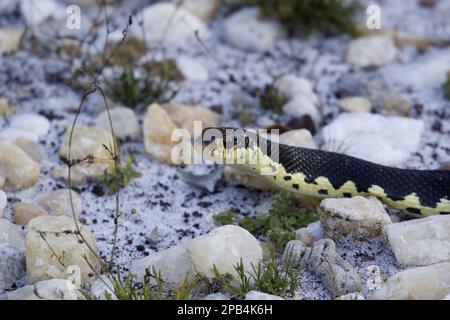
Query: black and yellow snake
x=324, y=174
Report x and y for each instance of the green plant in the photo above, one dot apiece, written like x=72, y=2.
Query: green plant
x=302, y=17
x=224, y=218
x=153, y=288
x=266, y=276
x=446, y=87
x=272, y=99
x=227, y=282
x=283, y=219
x=154, y=84
x=116, y=177
x=280, y=223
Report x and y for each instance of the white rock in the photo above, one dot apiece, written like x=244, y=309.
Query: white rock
x=124, y=120
x=12, y=254
x=359, y=134
x=54, y=289
x=11, y=235
x=10, y=39
x=351, y=296
x=12, y=135
x=423, y=283
x=298, y=138
x=80, y=173
x=168, y=23
x=185, y=115
x=291, y=86
x=24, y=212
x=257, y=295
x=424, y=73
x=17, y=169
x=31, y=148
x=158, y=128
x=447, y=297
x=174, y=264
x=36, y=12
x=3, y=202
x=247, y=30
x=300, y=106
x=361, y=217
x=192, y=69
x=310, y=234
x=203, y=9
x=371, y=51
x=420, y=242
x=12, y=266
x=87, y=142
x=224, y=247
x=52, y=246
x=355, y=104
x=33, y=124
x=58, y=203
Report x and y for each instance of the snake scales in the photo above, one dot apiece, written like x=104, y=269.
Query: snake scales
x=328, y=174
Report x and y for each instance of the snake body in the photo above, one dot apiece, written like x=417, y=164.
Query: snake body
x=327, y=174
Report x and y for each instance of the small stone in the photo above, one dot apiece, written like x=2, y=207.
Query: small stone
x=10, y=39
x=12, y=254
x=291, y=86
x=54, y=289
x=80, y=173
x=257, y=295
x=298, y=138
x=310, y=234
x=52, y=246
x=224, y=247
x=355, y=104
x=17, y=170
x=174, y=264
x=31, y=148
x=87, y=142
x=58, y=203
x=246, y=29
x=338, y=275
x=23, y=212
x=124, y=120
x=351, y=296
x=420, y=242
x=168, y=23
x=359, y=133
x=185, y=115
x=158, y=128
x=5, y=107
x=423, y=283
x=396, y=105
x=371, y=51
x=34, y=125
x=360, y=217
x=3, y=202
x=204, y=9
x=191, y=69
x=36, y=12
x=11, y=235
x=300, y=106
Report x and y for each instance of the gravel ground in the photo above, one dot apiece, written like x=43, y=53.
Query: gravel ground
x=160, y=199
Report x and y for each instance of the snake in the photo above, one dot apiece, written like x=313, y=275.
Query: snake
x=326, y=174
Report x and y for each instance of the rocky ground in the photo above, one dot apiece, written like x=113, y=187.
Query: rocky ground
x=378, y=97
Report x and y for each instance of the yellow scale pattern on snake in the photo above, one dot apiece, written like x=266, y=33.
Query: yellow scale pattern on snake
x=326, y=174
